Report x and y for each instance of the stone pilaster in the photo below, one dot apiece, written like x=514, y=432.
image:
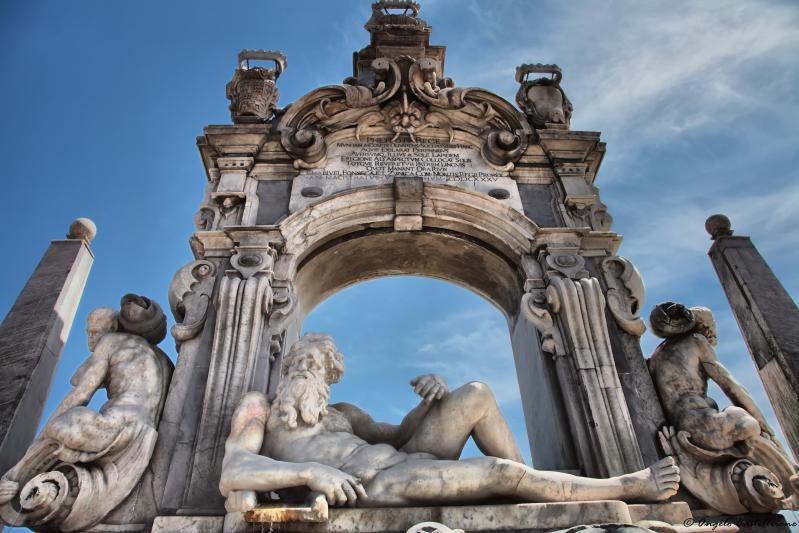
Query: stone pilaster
x=33, y=335
x=569, y=314
x=233, y=311
x=767, y=316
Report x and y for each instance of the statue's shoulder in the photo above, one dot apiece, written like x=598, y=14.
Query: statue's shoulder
x=680, y=350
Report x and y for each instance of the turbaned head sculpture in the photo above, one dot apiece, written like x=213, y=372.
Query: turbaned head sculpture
x=141, y=316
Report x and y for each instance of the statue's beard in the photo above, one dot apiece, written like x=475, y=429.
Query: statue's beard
x=303, y=396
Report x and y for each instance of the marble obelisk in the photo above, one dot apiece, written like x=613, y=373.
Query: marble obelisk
x=768, y=318
x=33, y=335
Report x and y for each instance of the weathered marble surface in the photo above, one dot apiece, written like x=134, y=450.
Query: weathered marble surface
x=527, y=517
x=542, y=99
x=569, y=313
x=767, y=317
x=730, y=458
x=187, y=524
x=253, y=90
x=306, y=442
x=354, y=163
x=85, y=463
x=33, y=334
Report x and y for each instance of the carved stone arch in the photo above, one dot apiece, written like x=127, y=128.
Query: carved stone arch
x=466, y=238
x=443, y=207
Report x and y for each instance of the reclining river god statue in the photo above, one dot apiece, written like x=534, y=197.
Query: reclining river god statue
x=340, y=451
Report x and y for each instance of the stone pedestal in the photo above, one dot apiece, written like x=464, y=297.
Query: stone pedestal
x=33, y=335
x=521, y=518
x=768, y=318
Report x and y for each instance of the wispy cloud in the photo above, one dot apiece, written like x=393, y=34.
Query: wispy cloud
x=642, y=68
x=665, y=238
x=470, y=345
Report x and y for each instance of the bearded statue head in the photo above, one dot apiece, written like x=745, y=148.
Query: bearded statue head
x=310, y=367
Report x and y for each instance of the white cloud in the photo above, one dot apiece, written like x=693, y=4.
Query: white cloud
x=470, y=345
x=647, y=68
x=667, y=70
x=667, y=239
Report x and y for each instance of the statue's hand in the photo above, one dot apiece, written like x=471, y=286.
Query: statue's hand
x=767, y=430
x=338, y=487
x=667, y=436
x=430, y=387
x=8, y=490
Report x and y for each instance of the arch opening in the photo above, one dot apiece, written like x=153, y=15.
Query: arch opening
x=443, y=255
x=395, y=328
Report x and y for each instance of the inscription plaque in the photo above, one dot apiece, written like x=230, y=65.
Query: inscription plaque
x=353, y=163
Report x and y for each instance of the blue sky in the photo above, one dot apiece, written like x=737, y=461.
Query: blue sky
x=101, y=103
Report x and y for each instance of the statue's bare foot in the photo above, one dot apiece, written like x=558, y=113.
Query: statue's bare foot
x=8, y=490
x=658, y=482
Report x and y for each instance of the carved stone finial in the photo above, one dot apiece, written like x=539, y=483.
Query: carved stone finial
x=542, y=99
x=253, y=90
x=396, y=31
x=718, y=226
x=387, y=18
x=83, y=229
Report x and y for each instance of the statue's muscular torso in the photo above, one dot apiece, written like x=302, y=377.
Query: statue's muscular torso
x=134, y=377
x=677, y=369
x=332, y=443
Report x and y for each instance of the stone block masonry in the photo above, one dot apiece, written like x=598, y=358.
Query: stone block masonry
x=33, y=335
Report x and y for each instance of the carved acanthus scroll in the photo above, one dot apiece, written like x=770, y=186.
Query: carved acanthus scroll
x=400, y=96
x=189, y=298
x=381, y=86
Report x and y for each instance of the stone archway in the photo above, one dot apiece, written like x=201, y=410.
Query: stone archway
x=485, y=246
x=397, y=171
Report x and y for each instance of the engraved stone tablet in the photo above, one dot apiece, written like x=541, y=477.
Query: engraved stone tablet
x=352, y=164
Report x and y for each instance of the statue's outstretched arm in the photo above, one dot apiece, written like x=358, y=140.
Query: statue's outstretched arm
x=731, y=388
x=431, y=387
x=89, y=377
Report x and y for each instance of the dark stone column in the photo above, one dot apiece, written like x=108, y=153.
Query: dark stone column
x=768, y=318
x=33, y=335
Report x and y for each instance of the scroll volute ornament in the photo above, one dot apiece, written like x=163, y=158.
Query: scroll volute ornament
x=403, y=96
x=189, y=297
x=542, y=99
x=374, y=87
x=536, y=308
x=253, y=91
x=435, y=91
x=249, y=260
x=305, y=123
x=625, y=295
x=468, y=108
